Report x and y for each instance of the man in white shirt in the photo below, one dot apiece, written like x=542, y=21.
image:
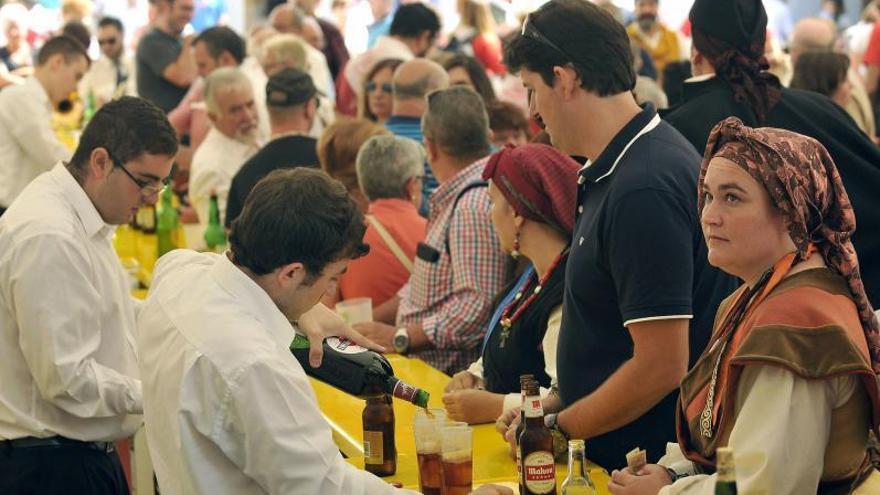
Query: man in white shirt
x=228, y=408
x=28, y=145
x=69, y=376
x=288, y=19
x=229, y=99
x=112, y=75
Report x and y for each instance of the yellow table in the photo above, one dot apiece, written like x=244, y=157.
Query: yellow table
x=492, y=464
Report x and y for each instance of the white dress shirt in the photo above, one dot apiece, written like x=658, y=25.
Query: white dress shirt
x=100, y=80
x=69, y=366
x=779, y=438
x=28, y=145
x=228, y=408
x=214, y=165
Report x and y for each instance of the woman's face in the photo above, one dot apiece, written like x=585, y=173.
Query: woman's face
x=379, y=94
x=458, y=76
x=503, y=218
x=744, y=231
x=13, y=36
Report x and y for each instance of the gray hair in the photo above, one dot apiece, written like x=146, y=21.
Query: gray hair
x=288, y=50
x=457, y=122
x=221, y=79
x=385, y=164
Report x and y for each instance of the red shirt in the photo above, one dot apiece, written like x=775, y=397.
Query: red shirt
x=379, y=274
x=872, y=53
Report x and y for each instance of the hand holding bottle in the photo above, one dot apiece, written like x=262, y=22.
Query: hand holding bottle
x=321, y=322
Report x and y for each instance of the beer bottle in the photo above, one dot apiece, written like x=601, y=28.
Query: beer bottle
x=725, y=484
x=536, y=447
x=167, y=223
x=215, y=235
x=578, y=481
x=356, y=370
x=380, y=452
x=523, y=383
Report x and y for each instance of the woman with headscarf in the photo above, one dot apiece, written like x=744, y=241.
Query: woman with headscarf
x=788, y=381
x=731, y=80
x=533, y=193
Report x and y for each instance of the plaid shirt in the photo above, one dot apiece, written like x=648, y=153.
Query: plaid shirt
x=452, y=298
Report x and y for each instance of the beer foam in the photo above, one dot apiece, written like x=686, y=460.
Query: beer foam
x=431, y=446
x=460, y=455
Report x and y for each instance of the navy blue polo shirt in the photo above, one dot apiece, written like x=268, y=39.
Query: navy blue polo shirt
x=637, y=254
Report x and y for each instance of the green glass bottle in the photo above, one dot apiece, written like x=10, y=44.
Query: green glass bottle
x=90, y=108
x=578, y=481
x=356, y=370
x=725, y=484
x=167, y=223
x=215, y=234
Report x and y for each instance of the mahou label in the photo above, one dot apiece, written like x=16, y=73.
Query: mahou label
x=344, y=346
x=539, y=472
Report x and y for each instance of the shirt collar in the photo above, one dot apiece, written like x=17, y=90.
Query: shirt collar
x=91, y=219
x=254, y=298
x=700, y=78
x=447, y=191
x=607, y=161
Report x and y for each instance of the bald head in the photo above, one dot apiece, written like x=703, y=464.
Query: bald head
x=812, y=34
x=418, y=77
x=286, y=18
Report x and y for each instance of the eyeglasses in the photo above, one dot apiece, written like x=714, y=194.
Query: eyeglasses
x=107, y=41
x=386, y=87
x=530, y=31
x=147, y=187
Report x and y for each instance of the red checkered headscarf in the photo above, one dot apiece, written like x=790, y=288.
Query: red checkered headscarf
x=538, y=181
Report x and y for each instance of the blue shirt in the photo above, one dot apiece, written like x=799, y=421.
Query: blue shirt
x=411, y=127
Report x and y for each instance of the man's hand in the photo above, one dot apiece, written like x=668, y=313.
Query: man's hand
x=648, y=481
x=492, y=490
x=473, y=406
x=380, y=333
x=321, y=322
x=510, y=434
x=463, y=380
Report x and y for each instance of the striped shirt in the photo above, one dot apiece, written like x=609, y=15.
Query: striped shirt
x=452, y=298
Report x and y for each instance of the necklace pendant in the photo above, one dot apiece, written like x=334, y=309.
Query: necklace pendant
x=506, y=323
x=504, y=334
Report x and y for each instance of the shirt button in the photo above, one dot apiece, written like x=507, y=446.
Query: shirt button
x=581, y=209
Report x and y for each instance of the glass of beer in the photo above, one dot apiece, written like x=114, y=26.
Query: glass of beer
x=456, y=448
x=426, y=430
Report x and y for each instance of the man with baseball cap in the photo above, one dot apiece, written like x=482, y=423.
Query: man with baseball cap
x=292, y=101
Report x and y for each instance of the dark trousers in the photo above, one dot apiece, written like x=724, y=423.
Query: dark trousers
x=60, y=470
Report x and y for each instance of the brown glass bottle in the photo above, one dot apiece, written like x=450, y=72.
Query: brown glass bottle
x=536, y=447
x=523, y=385
x=380, y=452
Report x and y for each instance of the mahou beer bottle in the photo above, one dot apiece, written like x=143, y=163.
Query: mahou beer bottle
x=356, y=370
x=523, y=385
x=536, y=447
x=725, y=484
x=380, y=452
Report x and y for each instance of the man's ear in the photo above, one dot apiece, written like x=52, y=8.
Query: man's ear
x=100, y=164
x=291, y=275
x=566, y=80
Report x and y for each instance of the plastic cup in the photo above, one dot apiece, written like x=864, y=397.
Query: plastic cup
x=456, y=449
x=427, y=431
x=356, y=310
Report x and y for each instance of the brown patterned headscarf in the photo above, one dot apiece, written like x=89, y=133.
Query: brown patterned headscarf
x=803, y=183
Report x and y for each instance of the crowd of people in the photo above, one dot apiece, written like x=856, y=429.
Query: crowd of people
x=657, y=223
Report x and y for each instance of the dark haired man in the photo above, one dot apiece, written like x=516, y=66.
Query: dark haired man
x=228, y=408
x=67, y=321
x=110, y=75
x=165, y=64
x=414, y=29
x=28, y=146
x=739, y=86
x=652, y=36
x=640, y=296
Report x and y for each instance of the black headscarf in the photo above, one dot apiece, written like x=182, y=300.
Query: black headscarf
x=731, y=34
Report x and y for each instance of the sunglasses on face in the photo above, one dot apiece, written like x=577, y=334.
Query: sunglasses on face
x=386, y=87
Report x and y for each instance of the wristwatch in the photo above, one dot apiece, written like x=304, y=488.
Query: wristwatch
x=560, y=438
x=401, y=341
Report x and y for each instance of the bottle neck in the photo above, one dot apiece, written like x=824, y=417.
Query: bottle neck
x=532, y=407
x=576, y=461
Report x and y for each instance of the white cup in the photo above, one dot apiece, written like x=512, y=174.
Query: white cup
x=356, y=310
